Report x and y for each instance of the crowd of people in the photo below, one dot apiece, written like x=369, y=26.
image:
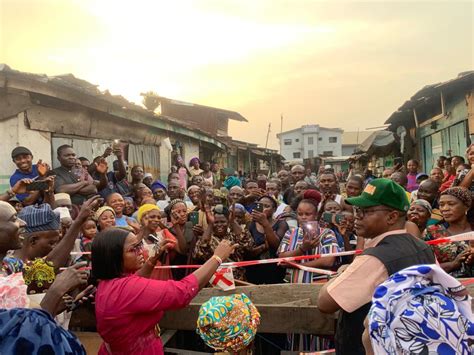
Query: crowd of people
x=83, y=232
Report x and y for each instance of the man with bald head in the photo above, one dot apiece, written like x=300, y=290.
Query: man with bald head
x=297, y=174
x=10, y=227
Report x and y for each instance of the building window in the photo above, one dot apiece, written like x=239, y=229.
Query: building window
x=297, y=140
x=327, y=153
x=287, y=142
x=320, y=139
x=296, y=155
x=310, y=154
x=310, y=140
x=332, y=139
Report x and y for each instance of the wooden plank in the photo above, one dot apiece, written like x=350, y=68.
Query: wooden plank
x=284, y=308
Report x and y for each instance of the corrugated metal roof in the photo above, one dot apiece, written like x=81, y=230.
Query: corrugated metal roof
x=354, y=138
x=69, y=81
x=422, y=96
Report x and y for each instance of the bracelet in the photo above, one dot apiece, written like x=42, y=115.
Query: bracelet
x=218, y=259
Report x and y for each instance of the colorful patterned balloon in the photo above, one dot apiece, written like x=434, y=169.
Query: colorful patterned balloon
x=228, y=323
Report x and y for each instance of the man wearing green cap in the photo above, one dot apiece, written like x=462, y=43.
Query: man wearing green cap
x=380, y=213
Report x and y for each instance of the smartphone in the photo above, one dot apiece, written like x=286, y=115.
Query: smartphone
x=258, y=207
x=194, y=217
x=333, y=218
x=311, y=229
x=37, y=186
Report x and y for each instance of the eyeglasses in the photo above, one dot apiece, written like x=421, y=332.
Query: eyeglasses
x=362, y=212
x=137, y=249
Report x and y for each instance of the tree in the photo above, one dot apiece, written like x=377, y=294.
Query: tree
x=151, y=100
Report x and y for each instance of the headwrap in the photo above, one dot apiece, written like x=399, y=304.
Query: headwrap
x=228, y=323
x=173, y=203
x=157, y=184
x=39, y=275
x=193, y=159
x=418, y=311
x=34, y=331
x=39, y=218
x=145, y=209
x=461, y=193
x=419, y=175
x=191, y=187
x=423, y=203
x=239, y=207
x=147, y=175
x=232, y=181
x=312, y=195
x=102, y=210
x=62, y=199
x=219, y=193
x=13, y=292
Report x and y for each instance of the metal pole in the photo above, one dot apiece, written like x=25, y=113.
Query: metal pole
x=268, y=134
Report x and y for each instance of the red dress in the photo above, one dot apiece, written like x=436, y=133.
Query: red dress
x=128, y=308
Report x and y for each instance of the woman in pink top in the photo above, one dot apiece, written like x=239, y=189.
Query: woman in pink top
x=129, y=305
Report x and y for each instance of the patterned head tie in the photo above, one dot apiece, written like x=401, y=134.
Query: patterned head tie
x=228, y=323
x=461, y=193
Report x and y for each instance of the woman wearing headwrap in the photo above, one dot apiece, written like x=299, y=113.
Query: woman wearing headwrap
x=232, y=181
x=420, y=310
x=221, y=226
x=105, y=217
x=419, y=213
x=153, y=234
x=455, y=258
x=159, y=190
x=129, y=305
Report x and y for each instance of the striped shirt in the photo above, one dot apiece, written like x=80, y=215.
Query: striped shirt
x=294, y=238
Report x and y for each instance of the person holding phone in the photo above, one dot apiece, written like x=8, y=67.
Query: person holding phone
x=308, y=238
x=267, y=234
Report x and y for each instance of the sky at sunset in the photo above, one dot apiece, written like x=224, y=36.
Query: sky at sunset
x=333, y=63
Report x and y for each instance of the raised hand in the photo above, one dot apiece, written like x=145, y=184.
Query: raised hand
x=43, y=168
x=89, y=207
x=101, y=167
x=225, y=249
x=134, y=225
x=108, y=152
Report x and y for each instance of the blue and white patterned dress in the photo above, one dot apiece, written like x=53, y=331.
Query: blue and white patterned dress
x=421, y=310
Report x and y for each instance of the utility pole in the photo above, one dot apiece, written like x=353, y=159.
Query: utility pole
x=268, y=134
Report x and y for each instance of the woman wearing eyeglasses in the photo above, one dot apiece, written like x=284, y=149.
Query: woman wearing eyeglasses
x=221, y=226
x=129, y=305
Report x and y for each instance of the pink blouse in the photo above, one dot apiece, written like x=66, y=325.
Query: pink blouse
x=128, y=308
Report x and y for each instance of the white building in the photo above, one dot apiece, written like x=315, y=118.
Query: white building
x=310, y=141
